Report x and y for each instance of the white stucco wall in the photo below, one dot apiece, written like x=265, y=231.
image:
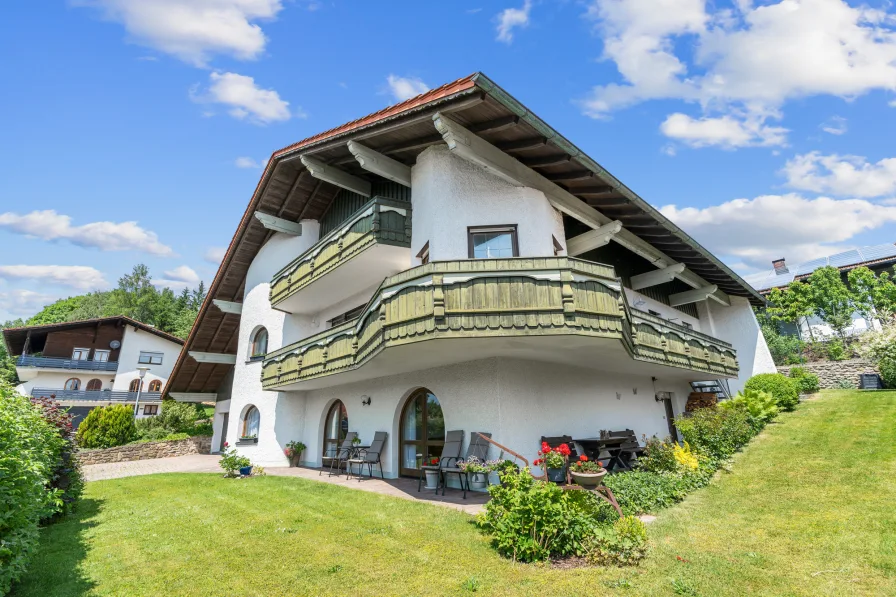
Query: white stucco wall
x=135, y=341
x=57, y=379
x=666, y=312
x=451, y=194
x=737, y=324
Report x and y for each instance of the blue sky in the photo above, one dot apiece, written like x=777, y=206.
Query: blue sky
x=134, y=130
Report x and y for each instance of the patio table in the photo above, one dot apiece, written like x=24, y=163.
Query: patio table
x=593, y=446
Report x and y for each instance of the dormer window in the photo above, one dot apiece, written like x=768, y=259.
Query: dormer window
x=492, y=242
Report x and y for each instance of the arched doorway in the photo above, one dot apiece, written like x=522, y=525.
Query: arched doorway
x=335, y=428
x=422, y=431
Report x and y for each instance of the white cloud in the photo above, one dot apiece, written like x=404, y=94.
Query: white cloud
x=249, y=163
x=726, y=131
x=403, y=88
x=755, y=231
x=106, y=236
x=835, y=125
x=215, y=254
x=512, y=18
x=82, y=277
x=245, y=99
x=193, y=30
x=182, y=276
x=749, y=58
x=846, y=175
x=22, y=303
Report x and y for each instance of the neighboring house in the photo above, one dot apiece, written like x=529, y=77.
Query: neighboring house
x=452, y=262
x=94, y=362
x=877, y=258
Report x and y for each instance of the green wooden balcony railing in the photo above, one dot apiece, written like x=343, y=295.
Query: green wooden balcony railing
x=497, y=298
x=380, y=221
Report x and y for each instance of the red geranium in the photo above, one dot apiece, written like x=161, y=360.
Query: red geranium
x=583, y=458
x=563, y=449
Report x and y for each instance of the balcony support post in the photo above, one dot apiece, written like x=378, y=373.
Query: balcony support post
x=660, y=276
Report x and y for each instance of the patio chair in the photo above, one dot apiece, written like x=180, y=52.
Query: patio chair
x=479, y=448
x=631, y=449
x=454, y=443
x=337, y=456
x=370, y=456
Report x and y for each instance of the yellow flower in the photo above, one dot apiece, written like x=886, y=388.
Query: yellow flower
x=684, y=457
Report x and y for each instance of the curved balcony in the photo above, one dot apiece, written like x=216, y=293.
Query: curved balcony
x=372, y=244
x=557, y=309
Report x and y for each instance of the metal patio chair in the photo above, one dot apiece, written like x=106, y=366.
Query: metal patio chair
x=479, y=448
x=454, y=443
x=370, y=456
x=337, y=456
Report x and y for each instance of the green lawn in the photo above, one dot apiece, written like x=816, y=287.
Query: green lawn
x=807, y=510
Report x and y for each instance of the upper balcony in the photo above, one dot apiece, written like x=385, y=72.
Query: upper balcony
x=68, y=364
x=96, y=395
x=555, y=309
x=371, y=244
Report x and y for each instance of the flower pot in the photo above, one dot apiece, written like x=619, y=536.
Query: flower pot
x=557, y=475
x=478, y=480
x=294, y=460
x=589, y=480
x=432, y=479
x=246, y=471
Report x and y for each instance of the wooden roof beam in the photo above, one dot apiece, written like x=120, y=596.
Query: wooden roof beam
x=217, y=358
x=656, y=277
x=542, y=161
x=334, y=175
x=522, y=144
x=379, y=164
x=699, y=294
x=279, y=224
x=194, y=396
x=592, y=239
x=498, y=124
x=228, y=306
x=479, y=151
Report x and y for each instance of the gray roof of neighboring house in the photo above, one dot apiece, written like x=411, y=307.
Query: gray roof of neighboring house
x=769, y=279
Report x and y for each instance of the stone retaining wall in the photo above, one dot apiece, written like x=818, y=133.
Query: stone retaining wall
x=831, y=372
x=181, y=447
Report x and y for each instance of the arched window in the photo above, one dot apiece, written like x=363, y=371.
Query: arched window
x=258, y=346
x=94, y=385
x=335, y=428
x=422, y=431
x=73, y=383
x=135, y=383
x=155, y=386
x=251, y=421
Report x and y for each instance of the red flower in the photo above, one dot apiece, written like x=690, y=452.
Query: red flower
x=226, y=444
x=545, y=447
x=563, y=449
x=537, y=462
x=599, y=463
x=583, y=458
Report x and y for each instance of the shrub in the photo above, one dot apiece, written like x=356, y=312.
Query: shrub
x=888, y=372
x=761, y=407
x=784, y=389
x=716, y=432
x=30, y=450
x=232, y=462
x=835, y=350
x=658, y=456
x=623, y=544
x=107, y=427
x=175, y=417
x=67, y=477
x=806, y=382
x=641, y=492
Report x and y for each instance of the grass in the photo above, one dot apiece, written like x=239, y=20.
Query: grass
x=806, y=510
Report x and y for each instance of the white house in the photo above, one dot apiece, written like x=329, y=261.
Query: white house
x=94, y=362
x=452, y=262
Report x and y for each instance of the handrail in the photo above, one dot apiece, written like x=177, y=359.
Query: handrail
x=62, y=363
x=678, y=327
x=99, y=395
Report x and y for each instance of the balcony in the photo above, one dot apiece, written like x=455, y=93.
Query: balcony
x=59, y=363
x=555, y=309
x=371, y=245
x=96, y=395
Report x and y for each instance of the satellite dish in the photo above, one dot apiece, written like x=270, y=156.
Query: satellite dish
x=114, y=344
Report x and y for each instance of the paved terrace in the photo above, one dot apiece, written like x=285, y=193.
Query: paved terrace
x=198, y=463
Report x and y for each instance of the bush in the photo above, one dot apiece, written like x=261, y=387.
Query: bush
x=784, y=389
x=30, y=451
x=761, y=407
x=716, y=432
x=806, y=382
x=107, y=427
x=784, y=349
x=623, y=544
x=232, y=462
x=67, y=477
x=888, y=372
x=835, y=350
x=175, y=417
x=642, y=492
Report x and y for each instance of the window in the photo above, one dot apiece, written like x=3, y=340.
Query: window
x=423, y=255
x=80, y=354
x=101, y=356
x=151, y=409
x=94, y=385
x=258, y=346
x=492, y=242
x=73, y=384
x=135, y=384
x=251, y=421
x=155, y=386
x=347, y=316
x=150, y=358
x=335, y=428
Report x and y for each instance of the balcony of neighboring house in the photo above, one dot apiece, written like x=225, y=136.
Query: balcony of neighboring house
x=83, y=364
x=369, y=245
x=102, y=396
x=556, y=309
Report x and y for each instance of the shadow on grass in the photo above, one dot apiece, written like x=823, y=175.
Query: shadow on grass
x=55, y=568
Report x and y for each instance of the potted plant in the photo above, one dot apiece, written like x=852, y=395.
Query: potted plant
x=477, y=472
x=588, y=473
x=294, y=451
x=235, y=465
x=432, y=476
x=553, y=461
x=249, y=439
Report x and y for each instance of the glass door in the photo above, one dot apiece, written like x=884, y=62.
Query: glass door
x=335, y=429
x=422, y=431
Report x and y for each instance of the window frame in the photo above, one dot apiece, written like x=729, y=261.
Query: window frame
x=157, y=384
x=347, y=316
x=135, y=386
x=253, y=341
x=98, y=352
x=77, y=350
x=514, y=239
x=89, y=389
x=77, y=384
x=151, y=354
x=153, y=412
x=245, y=422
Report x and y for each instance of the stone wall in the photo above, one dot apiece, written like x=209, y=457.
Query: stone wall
x=831, y=372
x=181, y=447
